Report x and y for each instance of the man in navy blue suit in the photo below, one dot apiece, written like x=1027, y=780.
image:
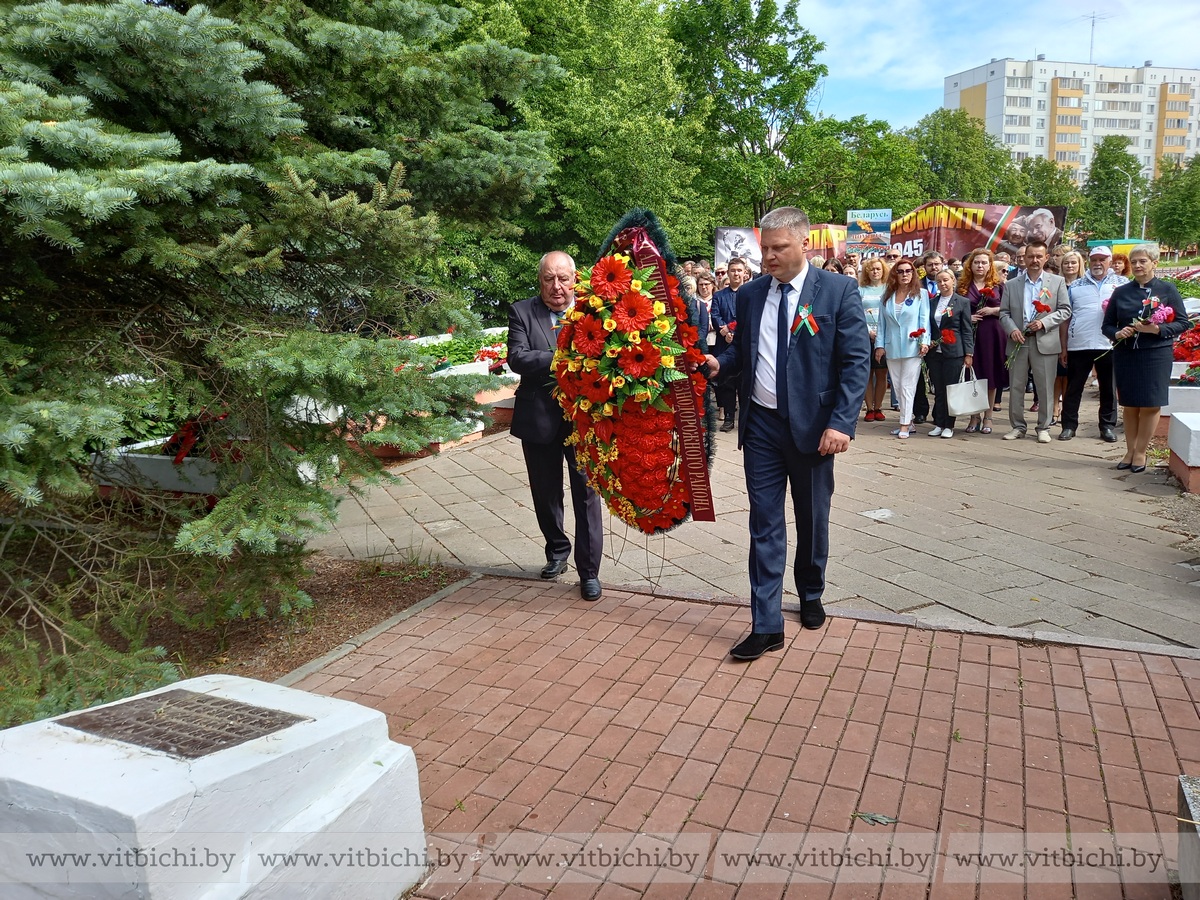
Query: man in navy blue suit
x=724, y=319
x=807, y=324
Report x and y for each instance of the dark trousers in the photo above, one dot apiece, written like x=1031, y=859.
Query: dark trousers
x=772, y=465
x=1079, y=366
x=920, y=400
x=943, y=371
x=544, y=465
x=726, y=392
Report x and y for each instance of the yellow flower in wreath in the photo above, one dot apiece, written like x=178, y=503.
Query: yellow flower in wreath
x=611, y=352
x=590, y=365
x=635, y=285
x=660, y=308
x=642, y=396
x=609, y=409
x=662, y=326
x=610, y=325
x=619, y=380
x=635, y=337
x=668, y=362
x=596, y=303
x=585, y=404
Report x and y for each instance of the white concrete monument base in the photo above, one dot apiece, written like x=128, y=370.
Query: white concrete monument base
x=235, y=823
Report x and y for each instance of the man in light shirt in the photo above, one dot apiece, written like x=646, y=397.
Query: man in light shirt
x=1086, y=347
x=800, y=358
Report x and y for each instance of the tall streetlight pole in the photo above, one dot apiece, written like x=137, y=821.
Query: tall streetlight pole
x=1128, y=197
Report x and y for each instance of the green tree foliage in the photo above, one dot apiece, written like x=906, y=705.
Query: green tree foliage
x=1045, y=183
x=1102, y=212
x=1175, y=205
x=962, y=161
x=854, y=164
x=749, y=70
x=197, y=228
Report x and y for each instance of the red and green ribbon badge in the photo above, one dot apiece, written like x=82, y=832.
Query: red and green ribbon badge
x=804, y=317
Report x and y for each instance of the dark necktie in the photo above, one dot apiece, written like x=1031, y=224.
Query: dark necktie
x=781, y=353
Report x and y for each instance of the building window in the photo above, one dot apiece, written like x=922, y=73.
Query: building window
x=1039, y=141
x=1069, y=137
x=1019, y=102
x=1173, y=140
x=1177, y=106
x=1148, y=143
x=1083, y=142
x=1041, y=103
x=1041, y=123
x=1024, y=83
x=1066, y=156
x=1084, y=124
x=1069, y=121
x=1070, y=84
x=1175, y=123
x=1070, y=102
x=1041, y=87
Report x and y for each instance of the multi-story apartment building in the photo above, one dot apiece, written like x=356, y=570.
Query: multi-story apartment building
x=1061, y=110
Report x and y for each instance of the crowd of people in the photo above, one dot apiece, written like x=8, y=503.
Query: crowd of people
x=1038, y=320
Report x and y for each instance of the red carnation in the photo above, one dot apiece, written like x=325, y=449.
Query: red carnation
x=610, y=278
x=633, y=312
x=916, y=334
x=1041, y=307
x=639, y=360
x=590, y=336
x=948, y=336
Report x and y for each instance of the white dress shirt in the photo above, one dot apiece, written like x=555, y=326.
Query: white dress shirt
x=764, y=392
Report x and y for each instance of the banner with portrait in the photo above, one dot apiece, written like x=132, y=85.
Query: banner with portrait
x=956, y=228
x=739, y=243
x=868, y=232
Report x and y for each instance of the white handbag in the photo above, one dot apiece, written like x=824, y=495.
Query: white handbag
x=967, y=398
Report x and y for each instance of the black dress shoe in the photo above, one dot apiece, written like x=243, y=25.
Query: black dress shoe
x=729, y=425
x=812, y=614
x=756, y=645
x=554, y=568
x=589, y=589
x=1124, y=465
x=918, y=420
x=1107, y=434
x=1137, y=470
x=1066, y=434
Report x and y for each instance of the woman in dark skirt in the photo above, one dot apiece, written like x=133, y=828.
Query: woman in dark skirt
x=1143, y=319
x=980, y=284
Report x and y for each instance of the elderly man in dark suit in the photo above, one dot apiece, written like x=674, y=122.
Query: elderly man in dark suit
x=801, y=356
x=539, y=424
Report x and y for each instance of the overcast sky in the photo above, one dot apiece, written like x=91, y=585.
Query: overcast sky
x=888, y=61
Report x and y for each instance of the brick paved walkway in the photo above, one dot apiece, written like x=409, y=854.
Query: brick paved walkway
x=532, y=711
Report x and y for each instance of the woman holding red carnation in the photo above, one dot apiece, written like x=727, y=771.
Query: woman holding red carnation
x=1143, y=318
x=983, y=286
x=950, y=316
x=903, y=335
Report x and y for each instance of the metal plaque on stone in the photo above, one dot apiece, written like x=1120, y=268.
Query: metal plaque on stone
x=182, y=723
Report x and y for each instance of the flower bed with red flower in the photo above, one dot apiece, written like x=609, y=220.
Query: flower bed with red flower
x=618, y=353
x=1187, y=346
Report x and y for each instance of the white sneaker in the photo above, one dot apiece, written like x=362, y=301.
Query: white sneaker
x=947, y=432
x=1043, y=437
x=935, y=431
x=1015, y=435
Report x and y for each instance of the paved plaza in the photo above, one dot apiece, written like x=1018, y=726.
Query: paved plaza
x=968, y=532
x=1011, y=658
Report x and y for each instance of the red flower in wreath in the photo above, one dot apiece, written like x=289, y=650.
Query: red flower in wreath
x=590, y=336
x=610, y=278
x=633, y=311
x=596, y=387
x=639, y=360
x=948, y=336
x=566, y=331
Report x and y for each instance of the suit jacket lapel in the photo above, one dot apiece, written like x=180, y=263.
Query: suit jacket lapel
x=808, y=297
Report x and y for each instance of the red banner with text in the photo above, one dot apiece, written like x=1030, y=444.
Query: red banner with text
x=956, y=229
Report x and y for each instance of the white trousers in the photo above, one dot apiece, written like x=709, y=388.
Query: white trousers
x=904, y=374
